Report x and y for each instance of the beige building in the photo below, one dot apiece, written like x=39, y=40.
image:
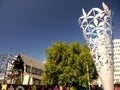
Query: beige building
x=26, y=71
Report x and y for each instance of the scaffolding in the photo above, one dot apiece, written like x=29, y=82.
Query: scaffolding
x=6, y=67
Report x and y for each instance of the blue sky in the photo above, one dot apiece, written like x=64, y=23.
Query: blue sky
x=30, y=26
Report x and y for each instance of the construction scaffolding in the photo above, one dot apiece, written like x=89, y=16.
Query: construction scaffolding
x=6, y=67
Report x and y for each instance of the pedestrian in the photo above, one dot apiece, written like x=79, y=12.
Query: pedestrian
x=56, y=88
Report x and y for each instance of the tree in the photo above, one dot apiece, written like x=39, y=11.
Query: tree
x=66, y=65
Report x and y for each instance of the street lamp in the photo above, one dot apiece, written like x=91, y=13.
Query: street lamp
x=88, y=75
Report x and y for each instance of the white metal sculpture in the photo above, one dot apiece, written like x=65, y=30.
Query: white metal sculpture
x=97, y=30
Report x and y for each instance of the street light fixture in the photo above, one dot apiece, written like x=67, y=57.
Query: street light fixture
x=88, y=75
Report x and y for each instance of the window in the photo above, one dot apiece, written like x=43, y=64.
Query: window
x=34, y=70
x=39, y=72
x=36, y=81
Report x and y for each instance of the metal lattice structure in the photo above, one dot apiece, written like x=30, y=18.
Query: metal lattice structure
x=6, y=66
x=97, y=30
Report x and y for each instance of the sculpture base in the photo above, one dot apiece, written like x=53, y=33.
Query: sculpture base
x=107, y=81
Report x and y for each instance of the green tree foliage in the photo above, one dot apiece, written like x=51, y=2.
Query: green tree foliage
x=66, y=65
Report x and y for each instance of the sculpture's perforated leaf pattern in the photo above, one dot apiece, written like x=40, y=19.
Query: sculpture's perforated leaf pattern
x=97, y=30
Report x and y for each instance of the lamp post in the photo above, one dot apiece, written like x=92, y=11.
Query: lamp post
x=88, y=75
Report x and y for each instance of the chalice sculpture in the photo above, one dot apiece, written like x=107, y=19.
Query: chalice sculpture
x=97, y=30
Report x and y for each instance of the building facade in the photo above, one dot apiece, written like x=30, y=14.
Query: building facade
x=30, y=69
x=22, y=69
x=116, y=58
